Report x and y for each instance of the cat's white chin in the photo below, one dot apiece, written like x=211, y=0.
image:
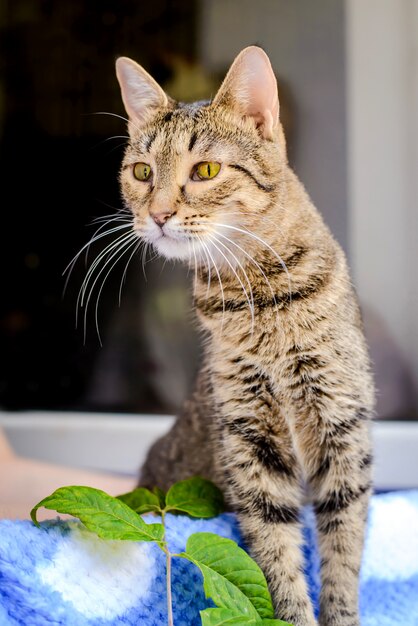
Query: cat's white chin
x=170, y=248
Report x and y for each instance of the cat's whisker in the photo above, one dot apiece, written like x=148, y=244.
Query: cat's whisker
x=253, y=261
x=110, y=218
x=121, y=117
x=258, y=266
x=209, y=274
x=108, y=250
x=94, y=238
x=242, y=214
x=90, y=284
x=189, y=260
x=116, y=210
x=116, y=137
x=119, y=145
x=148, y=252
x=127, y=223
x=207, y=264
x=206, y=247
x=120, y=253
x=101, y=143
x=102, y=254
x=195, y=267
x=86, y=248
x=245, y=231
x=248, y=213
x=256, y=214
x=135, y=250
x=86, y=286
x=123, y=223
x=163, y=265
x=250, y=301
x=156, y=255
x=144, y=259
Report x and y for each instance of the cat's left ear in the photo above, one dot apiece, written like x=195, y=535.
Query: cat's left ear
x=141, y=94
x=250, y=87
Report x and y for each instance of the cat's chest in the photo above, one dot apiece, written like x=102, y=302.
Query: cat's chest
x=263, y=340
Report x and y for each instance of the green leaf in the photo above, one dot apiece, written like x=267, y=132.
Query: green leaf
x=160, y=495
x=106, y=516
x=196, y=496
x=141, y=500
x=219, y=617
x=231, y=578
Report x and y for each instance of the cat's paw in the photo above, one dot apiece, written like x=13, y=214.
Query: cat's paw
x=299, y=618
x=340, y=617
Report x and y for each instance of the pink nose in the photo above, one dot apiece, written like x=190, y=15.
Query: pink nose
x=161, y=218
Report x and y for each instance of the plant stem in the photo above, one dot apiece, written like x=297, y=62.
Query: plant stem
x=169, y=599
x=170, y=620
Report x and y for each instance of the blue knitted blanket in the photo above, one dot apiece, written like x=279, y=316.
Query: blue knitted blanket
x=62, y=574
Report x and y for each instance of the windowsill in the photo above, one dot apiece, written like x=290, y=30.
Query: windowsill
x=118, y=443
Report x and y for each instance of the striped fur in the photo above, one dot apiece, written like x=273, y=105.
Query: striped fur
x=283, y=400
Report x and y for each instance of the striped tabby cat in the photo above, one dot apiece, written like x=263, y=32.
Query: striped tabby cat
x=283, y=400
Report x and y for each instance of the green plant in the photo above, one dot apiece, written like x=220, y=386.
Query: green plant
x=231, y=578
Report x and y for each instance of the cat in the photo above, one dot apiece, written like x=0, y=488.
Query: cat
x=284, y=396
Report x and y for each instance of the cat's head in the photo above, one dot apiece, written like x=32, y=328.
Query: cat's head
x=199, y=176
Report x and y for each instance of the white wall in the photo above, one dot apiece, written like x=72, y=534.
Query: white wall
x=305, y=42
x=382, y=117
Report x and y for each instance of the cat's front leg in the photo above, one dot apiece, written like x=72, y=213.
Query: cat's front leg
x=274, y=538
x=341, y=488
x=333, y=443
x=261, y=481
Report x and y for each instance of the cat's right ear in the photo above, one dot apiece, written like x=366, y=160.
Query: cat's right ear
x=250, y=87
x=141, y=95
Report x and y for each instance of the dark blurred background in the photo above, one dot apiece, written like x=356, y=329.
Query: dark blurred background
x=59, y=173
x=59, y=165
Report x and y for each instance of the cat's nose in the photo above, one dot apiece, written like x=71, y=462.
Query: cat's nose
x=161, y=218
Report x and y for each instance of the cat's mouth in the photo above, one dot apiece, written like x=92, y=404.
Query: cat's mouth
x=166, y=232
x=170, y=242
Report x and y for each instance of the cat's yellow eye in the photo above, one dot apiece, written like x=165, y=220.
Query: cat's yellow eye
x=142, y=171
x=206, y=170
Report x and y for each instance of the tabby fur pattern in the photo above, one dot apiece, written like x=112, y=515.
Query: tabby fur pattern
x=284, y=396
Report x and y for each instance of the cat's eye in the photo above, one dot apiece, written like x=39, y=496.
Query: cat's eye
x=206, y=170
x=142, y=171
